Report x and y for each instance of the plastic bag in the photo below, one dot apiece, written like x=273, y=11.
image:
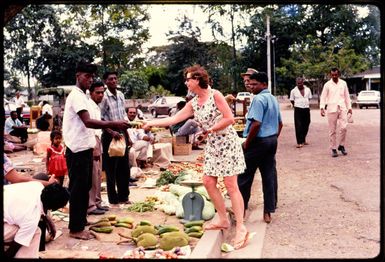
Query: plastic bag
x=350, y=119
x=117, y=147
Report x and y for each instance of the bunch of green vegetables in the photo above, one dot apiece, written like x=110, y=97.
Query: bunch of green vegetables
x=165, y=178
x=142, y=206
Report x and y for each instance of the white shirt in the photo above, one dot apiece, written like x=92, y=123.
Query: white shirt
x=140, y=113
x=138, y=134
x=47, y=108
x=335, y=96
x=95, y=114
x=9, y=123
x=23, y=207
x=301, y=101
x=19, y=102
x=77, y=137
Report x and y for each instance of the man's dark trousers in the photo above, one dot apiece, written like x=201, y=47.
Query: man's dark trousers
x=117, y=172
x=260, y=154
x=79, y=166
x=301, y=122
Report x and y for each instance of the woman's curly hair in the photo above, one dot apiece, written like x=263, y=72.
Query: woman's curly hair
x=199, y=73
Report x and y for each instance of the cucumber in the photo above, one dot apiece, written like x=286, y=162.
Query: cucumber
x=101, y=224
x=195, y=234
x=193, y=229
x=121, y=224
x=128, y=220
x=194, y=223
x=102, y=229
x=166, y=229
x=104, y=219
x=145, y=223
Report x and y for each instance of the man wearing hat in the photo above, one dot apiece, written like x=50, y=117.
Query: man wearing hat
x=80, y=141
x=246, y=77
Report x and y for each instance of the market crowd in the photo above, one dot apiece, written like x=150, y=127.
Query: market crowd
x=95, y=121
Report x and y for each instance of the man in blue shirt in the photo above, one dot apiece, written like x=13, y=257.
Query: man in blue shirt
x=263, y=126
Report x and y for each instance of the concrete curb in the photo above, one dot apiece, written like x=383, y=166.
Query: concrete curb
x=209, y=246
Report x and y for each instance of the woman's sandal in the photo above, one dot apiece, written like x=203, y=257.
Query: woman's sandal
x=242, y=243
x=212, y=226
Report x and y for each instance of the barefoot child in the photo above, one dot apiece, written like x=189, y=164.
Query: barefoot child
x=56, y=162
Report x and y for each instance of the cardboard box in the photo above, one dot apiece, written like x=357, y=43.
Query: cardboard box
x=182, y=149
x=165, y=140
x=180, y=139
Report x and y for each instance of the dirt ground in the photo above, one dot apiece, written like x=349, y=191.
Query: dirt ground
x=327, y=207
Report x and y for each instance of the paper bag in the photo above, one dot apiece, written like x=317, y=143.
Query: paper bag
x=350, y=119
x=117, y=147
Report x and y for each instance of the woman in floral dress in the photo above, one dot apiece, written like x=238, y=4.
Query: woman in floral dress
x=223, y=152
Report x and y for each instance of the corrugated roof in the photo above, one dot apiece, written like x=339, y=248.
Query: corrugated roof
x=375, y=71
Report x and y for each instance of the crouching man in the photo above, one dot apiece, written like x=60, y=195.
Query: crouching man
x=24, y=205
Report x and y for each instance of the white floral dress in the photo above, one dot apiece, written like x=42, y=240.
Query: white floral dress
x=223, y=151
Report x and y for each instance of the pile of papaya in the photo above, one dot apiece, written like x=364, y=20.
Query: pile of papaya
x=149, y=236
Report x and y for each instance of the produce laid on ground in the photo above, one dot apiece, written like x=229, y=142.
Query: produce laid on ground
x=163, y=238
x=106, y=224
x=194, y=228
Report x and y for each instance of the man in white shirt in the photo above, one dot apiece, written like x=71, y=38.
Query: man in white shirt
x=299, y=98
x=47, y=108
x=19, y=102
x=80, y=142
x=142, y=141
x=335, y=96
x=95, y=199
x=22, y=213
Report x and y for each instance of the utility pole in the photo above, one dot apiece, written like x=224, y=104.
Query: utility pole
x=268, y=38
x=273, y=40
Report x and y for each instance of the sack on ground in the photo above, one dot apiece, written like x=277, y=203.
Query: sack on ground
x=117, y=147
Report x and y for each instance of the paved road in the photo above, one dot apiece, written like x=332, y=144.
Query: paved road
x=328, y=207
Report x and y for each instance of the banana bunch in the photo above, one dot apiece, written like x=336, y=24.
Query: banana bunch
x=157, y=129
x=194, y=228
x=136, y=124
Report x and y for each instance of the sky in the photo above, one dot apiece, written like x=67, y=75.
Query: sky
x=164, y=18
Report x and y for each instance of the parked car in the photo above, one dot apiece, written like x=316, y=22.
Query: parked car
x=10, y=106
x=242, y=95
x=369, y=98
x=163, y=105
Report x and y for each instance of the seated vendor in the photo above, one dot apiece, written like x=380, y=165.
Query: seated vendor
x=185, y=127
x=15, y=127
x=142, y=141
x=42, y=123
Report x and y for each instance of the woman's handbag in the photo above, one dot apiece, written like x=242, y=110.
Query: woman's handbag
x=117, y=147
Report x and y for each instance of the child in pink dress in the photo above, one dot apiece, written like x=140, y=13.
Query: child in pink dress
x=56, y=162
